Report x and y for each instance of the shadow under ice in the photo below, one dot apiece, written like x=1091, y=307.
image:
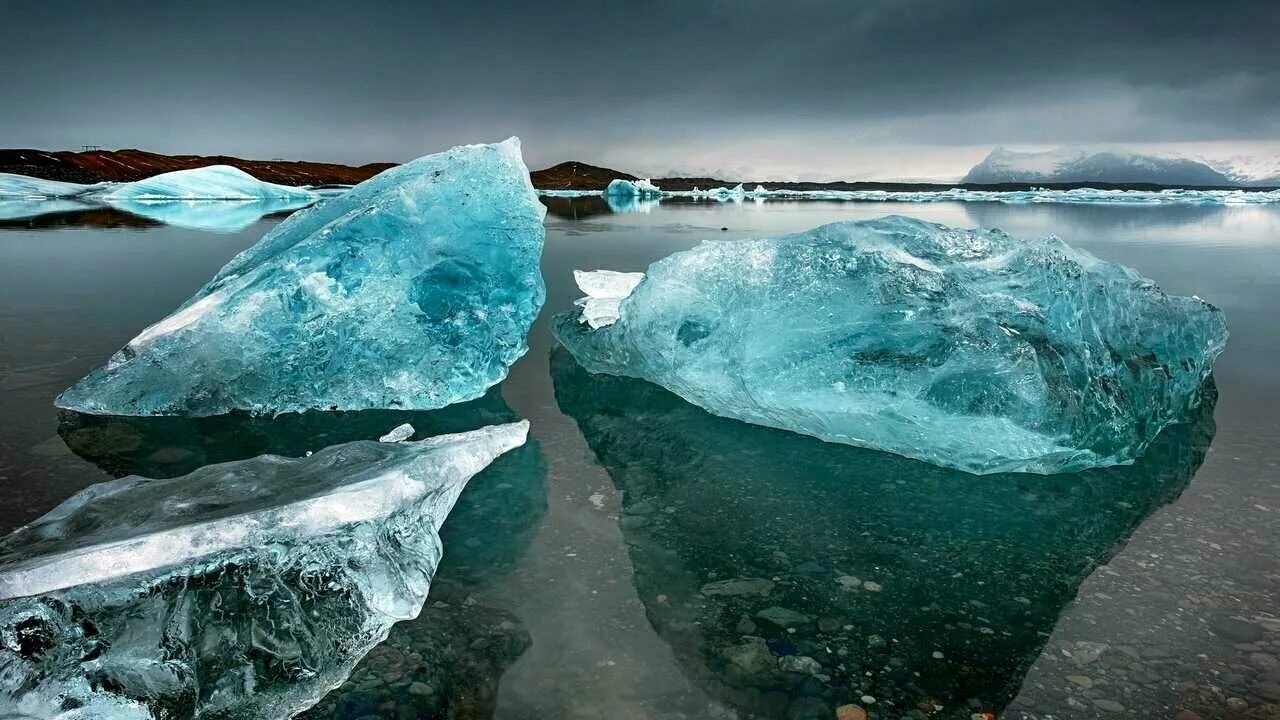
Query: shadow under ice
x=791, y=576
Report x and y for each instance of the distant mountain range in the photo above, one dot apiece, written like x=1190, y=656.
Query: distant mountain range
x=1003, y=169
x=1119, y=166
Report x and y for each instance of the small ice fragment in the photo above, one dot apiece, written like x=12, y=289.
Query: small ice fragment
x=399, y=433
x=605, y=289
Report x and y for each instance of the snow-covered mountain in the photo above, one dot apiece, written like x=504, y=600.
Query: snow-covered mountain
x=1250, y=170
x=1118, y=165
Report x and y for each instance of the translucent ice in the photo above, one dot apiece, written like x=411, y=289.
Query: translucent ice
x=243, y=590
x=413, y=290
x=968, y=349
x=605, y=289
x=213, y=182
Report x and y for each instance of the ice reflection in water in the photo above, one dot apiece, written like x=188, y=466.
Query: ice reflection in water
x=219, y=216
x=791, y=576
x=225, y=216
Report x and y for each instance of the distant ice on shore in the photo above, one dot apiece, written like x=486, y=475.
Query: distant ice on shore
x=214, y=182
x=1078, y=196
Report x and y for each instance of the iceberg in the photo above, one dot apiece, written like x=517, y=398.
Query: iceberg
x=14, y=186
x=414, y=290
x=213, y=182
x=628, y=188
x=965, y=348
x=246, y=589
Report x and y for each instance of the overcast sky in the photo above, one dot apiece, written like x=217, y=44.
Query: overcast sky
x=782, y=89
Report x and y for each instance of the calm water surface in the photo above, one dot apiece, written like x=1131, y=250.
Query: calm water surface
x=642, y=558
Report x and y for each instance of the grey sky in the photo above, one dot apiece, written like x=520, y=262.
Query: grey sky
x=785, y=89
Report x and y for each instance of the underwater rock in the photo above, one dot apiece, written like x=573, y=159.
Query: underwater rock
x=246, y=589
x=964, y=348
x=413, y=290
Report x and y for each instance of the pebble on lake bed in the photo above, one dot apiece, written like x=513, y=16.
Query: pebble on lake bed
x=850, y=712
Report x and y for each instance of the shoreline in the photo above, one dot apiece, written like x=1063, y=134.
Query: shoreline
x=130, y=165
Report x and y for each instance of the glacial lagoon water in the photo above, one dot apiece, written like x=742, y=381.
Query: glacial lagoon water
x=642, y=558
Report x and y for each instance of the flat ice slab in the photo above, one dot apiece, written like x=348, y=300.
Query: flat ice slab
x=246, y=589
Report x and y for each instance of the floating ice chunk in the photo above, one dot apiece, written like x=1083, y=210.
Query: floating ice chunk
x=399, y=433
x=968, y=349
x=628, y=188
x=246, y=589
x=413, y=290
x=213, y=182
x=20, y=186
x=604, y=289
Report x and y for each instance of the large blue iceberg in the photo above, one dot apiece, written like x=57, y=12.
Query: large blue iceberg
x=414, y=290
x=247, y=589
x=966, y=348
x=213, y=182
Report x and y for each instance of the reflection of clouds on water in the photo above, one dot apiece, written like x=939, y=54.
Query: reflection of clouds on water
x=785, y=571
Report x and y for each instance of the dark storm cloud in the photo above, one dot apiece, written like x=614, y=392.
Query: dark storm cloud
x=387, y=80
